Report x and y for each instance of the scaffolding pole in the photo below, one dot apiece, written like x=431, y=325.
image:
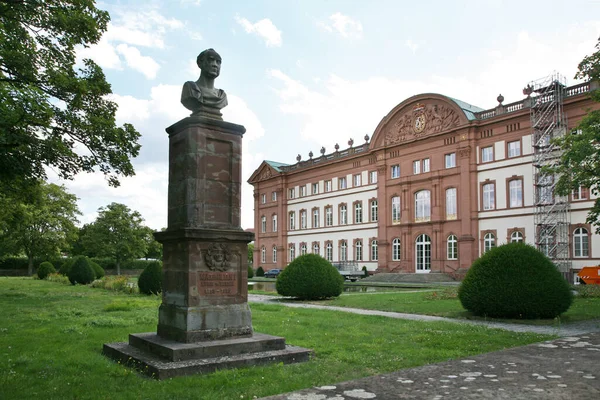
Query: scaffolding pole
x=551, y=216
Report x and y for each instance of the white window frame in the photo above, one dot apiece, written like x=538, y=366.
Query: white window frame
x=303, y=191
x=303, y=249
x=263, y=224
x=329, y=251
x=328, y=186
x=342, y=183
x=487, y=154
x=514, y=148
x=396, y=212
x=274, y=222
x=358, y=214
x=374, y=211
x=358, y=249
x=373, y=177
x=292, y=220
x=316, y=248
x=315, y=218
x=329, y=216
x=395, y=171
x=263, y=255
x=489, y=242
x=426, y=165
x=423, y=206
x=292, y=193
x=263, y=198
x=303, y=221
x=581, y=243
x=423, y=253
x=396, y=250
x=451, y=204
x=416, y=167
x=450, y=160
x=292, y=252
x=344, y=250
x=452, y=247
x=489, y=197
x=274, y=254
x=515, y=190
x=315, y=188
x=343, y=215
x=374, y=251
x=516, y=237
x=273, y=196
x=356, y=180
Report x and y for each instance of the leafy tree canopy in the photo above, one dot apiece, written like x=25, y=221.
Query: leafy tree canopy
x=117, y=233
x=52, y=111
x=580, y=162
x=39, y=226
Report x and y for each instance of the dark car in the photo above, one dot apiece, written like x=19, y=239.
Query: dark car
x=272, y=273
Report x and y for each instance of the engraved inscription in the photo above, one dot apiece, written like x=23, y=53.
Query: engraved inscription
x=217, y=283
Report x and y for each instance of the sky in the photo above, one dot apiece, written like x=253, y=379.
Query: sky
x=302, y=74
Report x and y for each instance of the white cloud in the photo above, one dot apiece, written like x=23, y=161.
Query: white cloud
x=346, y=26
x=103, y=53
x=411, y=45
x=263, y=28
x=136, y=61
x=130, y=109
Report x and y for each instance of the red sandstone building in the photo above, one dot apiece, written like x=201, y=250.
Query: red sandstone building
x=439, y=183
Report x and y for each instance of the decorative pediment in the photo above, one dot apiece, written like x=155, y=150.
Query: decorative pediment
x=420, y=120
x=263, y=173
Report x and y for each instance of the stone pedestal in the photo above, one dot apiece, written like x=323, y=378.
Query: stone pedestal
x=204, y=321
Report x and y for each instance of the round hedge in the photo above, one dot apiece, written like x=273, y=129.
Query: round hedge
x=260, y=271
x=515, y=281
x=310, y=277
x=98, y=270
x=150, y=280
x=66, y=266
x=46, y=268
x=250, y=272
x=81, y=272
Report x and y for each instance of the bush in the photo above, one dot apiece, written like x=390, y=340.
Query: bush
x=58, y=278
x=150, y=280
x=587, y=291
x=515, y=281
x=66, y=266
x=81, y=272
x=260, y=271
x=117, y=283
x=250, y=272
x=45, y=269
x=365, y=271
x=14, y=263
x=98, y=270
x=310, y=277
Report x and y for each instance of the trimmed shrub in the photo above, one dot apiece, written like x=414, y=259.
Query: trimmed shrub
x=365, y=271
x=250, y=272
x=310, y=277
x=66, y=266
x=14, y=263
x=587, y=291
x=150, y=280
x=260, y=271
x=515, y=281
x=46, y=268
x=81, y=272
x=98, y=270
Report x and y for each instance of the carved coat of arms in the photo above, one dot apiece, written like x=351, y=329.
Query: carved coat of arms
x=218, y=257
x=425, y=119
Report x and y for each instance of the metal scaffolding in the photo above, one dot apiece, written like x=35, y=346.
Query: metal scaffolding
x=551, y=212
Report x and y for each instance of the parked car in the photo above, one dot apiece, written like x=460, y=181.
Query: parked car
x=272, y=273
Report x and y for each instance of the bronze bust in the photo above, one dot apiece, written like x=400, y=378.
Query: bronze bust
x=201, y=97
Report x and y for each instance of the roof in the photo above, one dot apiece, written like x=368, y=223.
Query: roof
x=276, y=165
x=467, y=108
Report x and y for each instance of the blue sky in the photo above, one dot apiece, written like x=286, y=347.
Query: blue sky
x=301, y=74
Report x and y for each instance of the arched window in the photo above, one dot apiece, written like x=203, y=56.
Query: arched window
x=292, y=252
x=516, y=237
x=303, y=249
x=423, y=253
x=358, y=249
x=275, y=223
x=343, y=250
x=452, y=247
x=274, y=254
x=489, y=242
x=580, y=243
x=374, y=216
x=374, y=251
x=263, y=255
x=358, y=212
x=263, y=224
x=422, y=206
x=396, y=249
x=329, y=251
x=316, y=249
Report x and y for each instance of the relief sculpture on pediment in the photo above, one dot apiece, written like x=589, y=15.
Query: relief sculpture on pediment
x=422, y=120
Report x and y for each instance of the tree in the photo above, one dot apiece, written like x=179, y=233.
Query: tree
x=54, y=112
x=117, y=233
x=580, y=161
x=250, y=253
x=40, y=226
x=153, y=248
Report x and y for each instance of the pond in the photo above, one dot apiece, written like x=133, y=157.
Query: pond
x=270, y=287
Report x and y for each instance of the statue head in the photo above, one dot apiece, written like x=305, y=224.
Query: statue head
x=209, y=62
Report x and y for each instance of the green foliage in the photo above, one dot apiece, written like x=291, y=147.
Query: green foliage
x=365, y=271
x=58, y=278
x=48, y=105
x=260, y=272
x=250, y=253
x=250, y=272
x=310, y=277
x=13, y=263
x=150, y=281
x=515, y=281
x=39, y=221
x=66, y=266
x=46, y=268
x=587, y=291
x=98, y=270
x=117, y=233
x=81, y=272
x=115, y=283
x=154, y=249
x=579, y=163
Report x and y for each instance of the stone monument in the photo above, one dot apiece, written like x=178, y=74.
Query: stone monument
x=204, y=321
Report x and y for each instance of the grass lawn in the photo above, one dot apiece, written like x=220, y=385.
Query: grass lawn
x=51, y=337
x=443, y=304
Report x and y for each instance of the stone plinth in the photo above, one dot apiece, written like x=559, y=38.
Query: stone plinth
x=204, y=321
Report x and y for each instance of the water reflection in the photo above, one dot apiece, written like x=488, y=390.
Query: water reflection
x=270, y=287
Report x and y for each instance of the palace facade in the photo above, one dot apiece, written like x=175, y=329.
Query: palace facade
x=438, y=183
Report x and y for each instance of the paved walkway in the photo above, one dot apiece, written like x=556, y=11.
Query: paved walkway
x=562, y=330
x=565, y=368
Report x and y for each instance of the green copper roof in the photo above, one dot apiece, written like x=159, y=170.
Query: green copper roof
x=467, y=108
x=276, y=165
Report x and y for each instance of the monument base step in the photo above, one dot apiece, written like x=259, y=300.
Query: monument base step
x=153, y=356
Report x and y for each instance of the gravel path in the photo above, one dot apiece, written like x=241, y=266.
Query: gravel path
x=573, y=329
